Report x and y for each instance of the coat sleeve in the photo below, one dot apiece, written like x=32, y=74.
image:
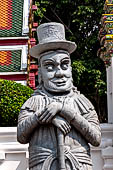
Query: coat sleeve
x=84, y=118
x=88, y=127
x=27, y=121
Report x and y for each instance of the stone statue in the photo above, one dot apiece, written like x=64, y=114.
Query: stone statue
x=57, y=121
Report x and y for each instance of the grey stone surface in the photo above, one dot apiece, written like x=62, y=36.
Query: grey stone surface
x=51, y=36
x=57, y=121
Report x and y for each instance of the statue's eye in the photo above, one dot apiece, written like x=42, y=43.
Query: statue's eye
x=49, y=67
x=65, y=65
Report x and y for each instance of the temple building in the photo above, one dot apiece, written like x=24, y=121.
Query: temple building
x=106, y=51
x=16, y=37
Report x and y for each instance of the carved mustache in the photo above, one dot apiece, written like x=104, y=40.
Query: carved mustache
x=64, y=77
x=59, y=80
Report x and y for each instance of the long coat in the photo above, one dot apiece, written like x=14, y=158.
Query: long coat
x=42, y=139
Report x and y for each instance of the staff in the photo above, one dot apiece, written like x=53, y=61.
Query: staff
x=60, y=150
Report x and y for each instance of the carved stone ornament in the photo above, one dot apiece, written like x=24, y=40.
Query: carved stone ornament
x=57, y=121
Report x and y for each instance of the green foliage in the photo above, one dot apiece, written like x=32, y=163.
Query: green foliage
x=79, y=69
x=81, y=19
x=12, y=97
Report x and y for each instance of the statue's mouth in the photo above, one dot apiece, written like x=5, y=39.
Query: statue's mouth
x=60, y=83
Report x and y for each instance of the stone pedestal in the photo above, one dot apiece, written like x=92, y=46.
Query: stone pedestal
x=107, y=146
x=107, y=155
x=13, y=156
x=102, y=156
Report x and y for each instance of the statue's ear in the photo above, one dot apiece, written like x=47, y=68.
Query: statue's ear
x=39, y=76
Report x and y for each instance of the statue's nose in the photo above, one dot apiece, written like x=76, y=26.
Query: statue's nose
x=59, y=73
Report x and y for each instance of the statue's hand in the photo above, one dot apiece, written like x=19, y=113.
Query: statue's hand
x=68, y=112
x=61, y=124
x=49, y=112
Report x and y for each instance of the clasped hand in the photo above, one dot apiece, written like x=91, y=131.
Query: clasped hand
x=49, y=112
x=61, y=124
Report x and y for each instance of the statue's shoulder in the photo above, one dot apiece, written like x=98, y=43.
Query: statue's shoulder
x=86, y=101
x=82, y=101
x=32, y=102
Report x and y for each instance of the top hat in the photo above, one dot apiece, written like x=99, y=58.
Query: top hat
x=51, y=36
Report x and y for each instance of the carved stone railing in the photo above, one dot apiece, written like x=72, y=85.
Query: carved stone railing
x=14, y=156
x=102, y=156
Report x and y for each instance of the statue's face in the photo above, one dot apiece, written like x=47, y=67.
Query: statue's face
x=56, y=72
